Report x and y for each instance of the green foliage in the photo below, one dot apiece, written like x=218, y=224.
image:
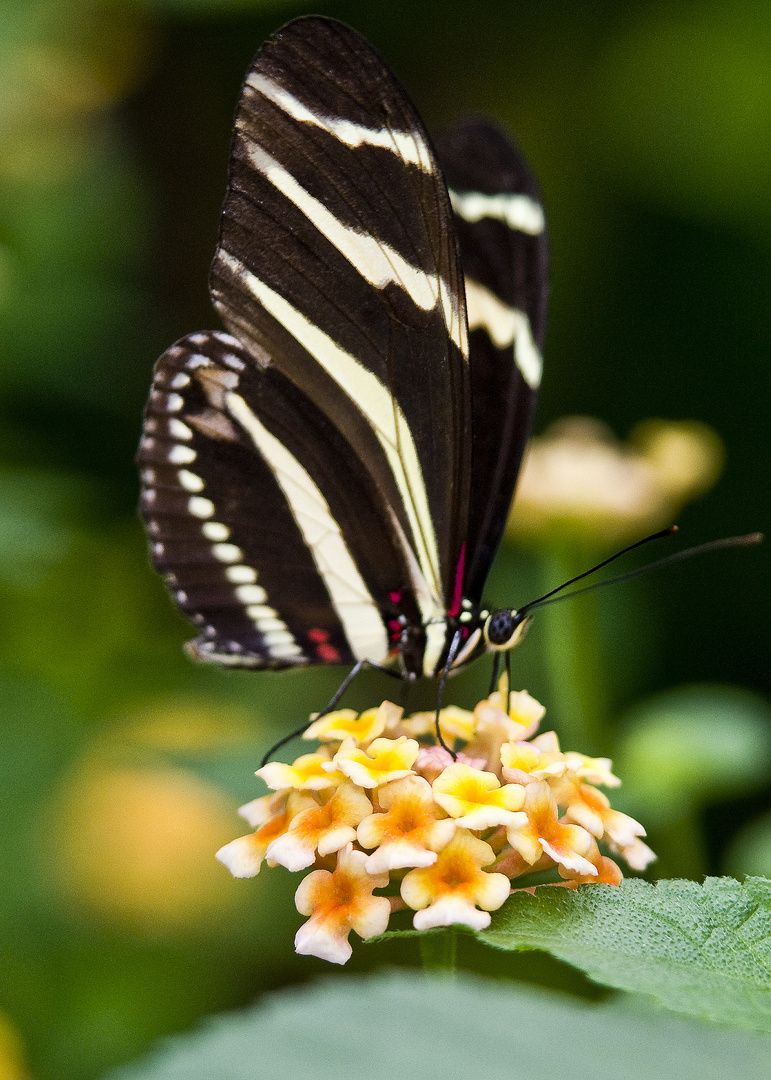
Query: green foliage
x=750, y=850
x=686, y=750
x=692, y=746
x=704, y=950
x=390, y=1024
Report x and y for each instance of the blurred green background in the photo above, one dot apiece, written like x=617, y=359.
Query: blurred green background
x=649, y=125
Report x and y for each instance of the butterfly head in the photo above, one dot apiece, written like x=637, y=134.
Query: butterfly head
x=505, y=628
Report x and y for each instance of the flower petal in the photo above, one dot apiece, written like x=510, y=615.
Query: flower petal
x=383, y=760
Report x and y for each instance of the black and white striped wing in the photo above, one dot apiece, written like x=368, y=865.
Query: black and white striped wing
x=329, y=483
x=337, y=260
x=501, y=230
x=245, y=483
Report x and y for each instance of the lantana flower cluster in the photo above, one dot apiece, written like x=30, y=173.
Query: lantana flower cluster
x=387, y=819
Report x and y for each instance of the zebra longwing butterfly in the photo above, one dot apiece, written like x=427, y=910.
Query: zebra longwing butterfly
x=328, y=481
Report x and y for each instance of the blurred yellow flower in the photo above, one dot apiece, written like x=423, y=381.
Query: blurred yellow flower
x=126, y=837
x=58, y=74
x=579, y=482
x=12, y=1057
x=132, y=845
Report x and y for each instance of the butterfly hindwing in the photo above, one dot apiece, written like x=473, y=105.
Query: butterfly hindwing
x=502, y=236
x=255, y=507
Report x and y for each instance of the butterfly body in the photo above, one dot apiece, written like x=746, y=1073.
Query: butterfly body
x=327, y=481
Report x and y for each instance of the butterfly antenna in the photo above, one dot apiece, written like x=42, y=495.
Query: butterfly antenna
x=611, y=558
x=700, y=549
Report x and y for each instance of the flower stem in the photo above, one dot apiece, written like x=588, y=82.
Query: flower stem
x=438, y=952
x=579, y=685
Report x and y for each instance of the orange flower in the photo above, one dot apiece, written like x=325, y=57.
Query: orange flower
x=606, y=871
x=324, y=829
x=591, y=809
x=545, y=833
x=259, y=811
x=243, y=857
x=407, y=833
x=455, y=887
x=337, y=903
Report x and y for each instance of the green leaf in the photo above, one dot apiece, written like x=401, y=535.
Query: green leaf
x=704, y=950
x=408, y=1024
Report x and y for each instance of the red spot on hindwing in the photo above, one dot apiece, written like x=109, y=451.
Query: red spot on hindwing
x=328, y=653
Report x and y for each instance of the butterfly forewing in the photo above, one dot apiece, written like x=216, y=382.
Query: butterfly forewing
x=337, y=258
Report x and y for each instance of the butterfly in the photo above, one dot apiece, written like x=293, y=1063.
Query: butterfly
x=327, y=480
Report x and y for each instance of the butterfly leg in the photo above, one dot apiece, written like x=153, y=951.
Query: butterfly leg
x=334, y=701
x=497, y=661
x=453, y=651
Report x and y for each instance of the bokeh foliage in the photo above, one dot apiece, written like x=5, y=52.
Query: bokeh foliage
x=649, y=125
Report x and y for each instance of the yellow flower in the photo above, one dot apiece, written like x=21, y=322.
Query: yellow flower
x=494, y=725
x=540, y=759
x=454, y=723
x=455, y=887
x=310, y=772
x=687, y=457
x=383, y=760
x=593, y=770
x=523, y=710
x=363, y=727
x=476, y=799
x=338, y=902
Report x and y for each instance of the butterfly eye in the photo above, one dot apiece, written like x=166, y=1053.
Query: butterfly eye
x=505, y=628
